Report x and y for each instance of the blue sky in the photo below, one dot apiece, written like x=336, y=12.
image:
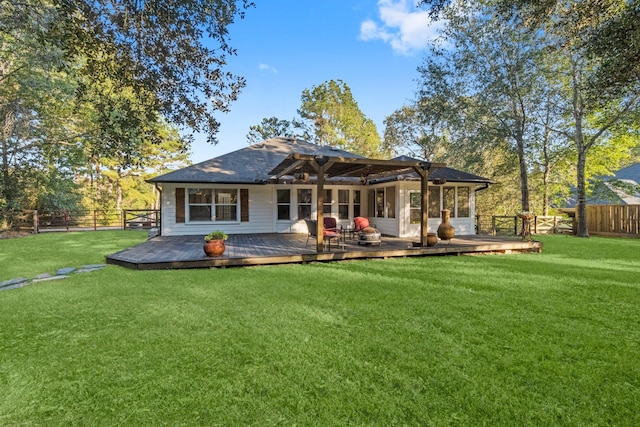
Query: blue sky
x=284, y=47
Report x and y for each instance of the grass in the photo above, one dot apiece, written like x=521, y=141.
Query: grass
x=538, y=339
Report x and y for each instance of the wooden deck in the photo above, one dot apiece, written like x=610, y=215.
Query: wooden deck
x=261, y=249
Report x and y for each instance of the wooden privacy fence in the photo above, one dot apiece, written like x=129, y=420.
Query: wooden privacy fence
x=36, y=221
x=614, y=219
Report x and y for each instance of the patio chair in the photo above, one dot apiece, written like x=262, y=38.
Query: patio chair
x=329, y=233
x=367, y=234
x=360, y=223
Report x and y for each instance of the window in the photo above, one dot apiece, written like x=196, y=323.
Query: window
x=356, y=203
x=434, y=202
x=385, y=202
x=449, y=200
x=390, y=202
x=284, y=204
x=343, y=204
x=327, y=201
x=304, y=203
x=371, y=202
x=463, y=202
x=217, y=204
x=380, y=203
x=226, y=205
x=415, y=204
x=200, y=204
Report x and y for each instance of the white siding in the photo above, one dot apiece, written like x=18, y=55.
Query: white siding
x=260, y=212
x=263, y=211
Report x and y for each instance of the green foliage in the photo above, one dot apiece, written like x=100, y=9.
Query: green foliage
x=173, y=50
x=418, y=130
x=87, y=87
x=607, y=29
x=488, y=340
x=272, y=127
x=522, y=73
x=216, y=235
x=337, y=121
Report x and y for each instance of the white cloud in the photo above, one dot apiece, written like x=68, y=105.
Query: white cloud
x=405, y=27
x=266, y=67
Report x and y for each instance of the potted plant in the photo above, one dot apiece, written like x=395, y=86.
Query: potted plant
x=214, y=243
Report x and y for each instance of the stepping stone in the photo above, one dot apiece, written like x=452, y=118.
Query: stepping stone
x=66, y=270
x=12, y=282
x=93, y=266
x=17, y=285
x=87, y=270
x=42, y=276
x=48, y=279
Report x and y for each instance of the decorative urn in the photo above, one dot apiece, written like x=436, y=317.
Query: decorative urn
x=446, y=230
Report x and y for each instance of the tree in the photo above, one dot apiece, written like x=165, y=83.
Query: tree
x=417, y=131
x=493, y=63
x=86, y=86
x=337, y=121
x=273, y=127
x=607, y=29
x=35, y=108
x=588, y=126
x=564, y=64
x=175, y=50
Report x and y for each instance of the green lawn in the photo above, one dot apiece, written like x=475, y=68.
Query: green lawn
x=539, y=339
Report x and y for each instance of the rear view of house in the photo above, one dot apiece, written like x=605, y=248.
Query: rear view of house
x=272, y=187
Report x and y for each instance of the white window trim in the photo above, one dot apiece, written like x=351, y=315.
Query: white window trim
x=213, y=205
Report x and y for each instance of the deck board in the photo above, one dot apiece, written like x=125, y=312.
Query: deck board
x=164, y=252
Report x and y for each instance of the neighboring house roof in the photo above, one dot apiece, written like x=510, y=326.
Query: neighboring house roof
x=252, y=164
x=623, y=187
x=625, y=183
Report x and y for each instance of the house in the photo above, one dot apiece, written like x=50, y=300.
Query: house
x=625, y=183
x=621, y=188
x=271, y=187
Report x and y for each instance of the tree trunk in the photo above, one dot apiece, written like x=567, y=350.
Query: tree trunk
x=581, y=147
x=524, y=177
x=581, y=208
x=118, y=189
x=8, y=191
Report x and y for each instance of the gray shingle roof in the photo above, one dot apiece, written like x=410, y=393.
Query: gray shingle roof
x=252, y=164
x=448, y=174
x=248, y=165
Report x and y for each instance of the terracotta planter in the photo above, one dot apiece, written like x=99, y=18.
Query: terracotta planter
x=214, y=248
x=446, y=230
x=432, y=239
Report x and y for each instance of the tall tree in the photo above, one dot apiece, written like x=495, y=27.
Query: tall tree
x=337, y=120
x=272, y=127
x=494, y=63
x=607, y=29
x=588, y=123
x=581, y=116
x=175, y=50
x=35, y=105
x=416, y=131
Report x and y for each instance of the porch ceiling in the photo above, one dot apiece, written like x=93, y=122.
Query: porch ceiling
x=347, y=166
